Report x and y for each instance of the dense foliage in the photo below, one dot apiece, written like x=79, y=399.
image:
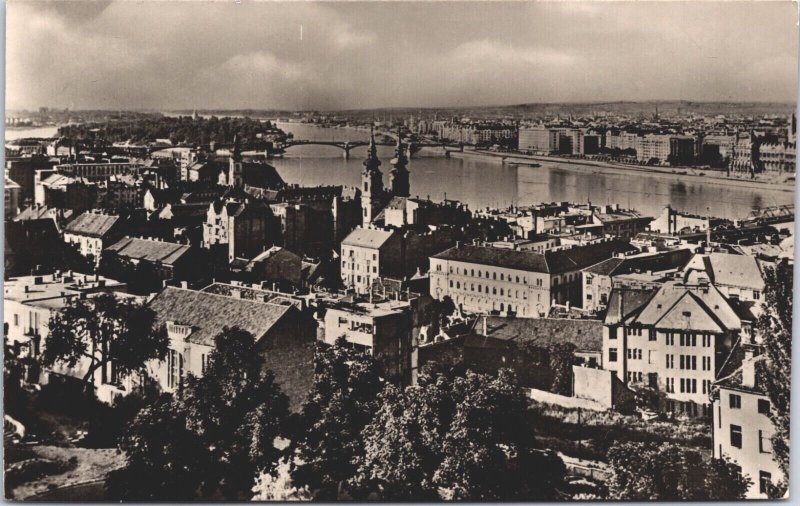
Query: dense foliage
x=209, y=441
x=342, y=401
x=182, y=129
x=464, y=438
x=668, y=472
x=91, y=334
x=775, y=326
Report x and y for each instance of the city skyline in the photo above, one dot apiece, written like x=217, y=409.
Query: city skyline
x=354, y=56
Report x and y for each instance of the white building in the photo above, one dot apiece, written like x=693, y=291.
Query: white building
x=367, y=254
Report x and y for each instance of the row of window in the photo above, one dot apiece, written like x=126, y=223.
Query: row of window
x=735, y=402
x=486, y=274
x=684, y=338
x=687, y=385
x=482, y=289
x=764, y=443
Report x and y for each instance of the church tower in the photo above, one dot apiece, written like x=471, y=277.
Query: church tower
x=235, y=170
x=371, y=184
x=400, y=185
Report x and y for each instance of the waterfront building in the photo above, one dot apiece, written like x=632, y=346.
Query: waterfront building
x=673, y=222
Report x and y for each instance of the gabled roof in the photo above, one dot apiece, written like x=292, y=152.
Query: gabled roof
x=148, y=250
x=697, y=307
x=92, y=224
x=367, y=237
x=626, y=303
x=208, y=313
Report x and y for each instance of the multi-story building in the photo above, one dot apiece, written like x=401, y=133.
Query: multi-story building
x=778, y=156
x=484, y=279
x=671, y=221
x=737, y=276
x=92, y=231
x=193, y=319
x=370, y=253
x=384, y=329
x=242, y=229
x=98, y=171
x=642, y=271
x=742, y=430
x=29, y=303
x=539, y=139
x=653, y=146
x=672, y=342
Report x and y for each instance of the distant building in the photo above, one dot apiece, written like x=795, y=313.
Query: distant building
x=241, y=229
x=274, y=265
x=737, y=276
x=672, y=222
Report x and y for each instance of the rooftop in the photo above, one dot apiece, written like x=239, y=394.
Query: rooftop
x=367, y=237
x=92, y=224
x=149, y=250
x=208, y=313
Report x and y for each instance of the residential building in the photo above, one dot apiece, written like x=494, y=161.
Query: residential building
x=92, y=231
x=742, y=429
x=367, y=254
x=193, y=319
x=29, y=303
x=737, y=276
x=241, y=229
x=673, y=222
x=672, y=342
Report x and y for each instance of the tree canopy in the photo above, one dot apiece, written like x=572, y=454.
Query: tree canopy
x=668, y=472
x=223, y=433
x=341, y=402
x=465, y=438
x=116, y=336
x=775, y=327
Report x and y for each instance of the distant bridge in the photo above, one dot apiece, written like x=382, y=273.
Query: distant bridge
x=411, y=147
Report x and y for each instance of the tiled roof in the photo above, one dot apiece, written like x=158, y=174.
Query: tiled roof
x=91, y=224
x=735, y=270
x=152, y=251
x=498, y=257
x=606, y=267
x=586, y=335
x=367, y=237
x=678, y=306
x=208, y=313
x=626, y=302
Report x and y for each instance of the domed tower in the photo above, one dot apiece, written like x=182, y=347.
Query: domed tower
x=371, y=184
x=400, y=184
x=235, y=171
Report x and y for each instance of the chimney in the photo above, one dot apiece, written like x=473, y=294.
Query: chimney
x=749, y=368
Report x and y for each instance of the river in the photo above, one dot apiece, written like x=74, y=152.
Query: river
x=482, y=182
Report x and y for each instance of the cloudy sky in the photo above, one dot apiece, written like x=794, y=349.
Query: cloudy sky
x=164, y=55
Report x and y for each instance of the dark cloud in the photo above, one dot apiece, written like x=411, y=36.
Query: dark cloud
x=348, y=55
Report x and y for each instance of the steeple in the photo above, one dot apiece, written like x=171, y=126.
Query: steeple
x=400, y=183
x=235, y=170
x=371, y=183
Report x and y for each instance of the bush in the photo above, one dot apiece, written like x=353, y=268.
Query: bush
x=34, y=469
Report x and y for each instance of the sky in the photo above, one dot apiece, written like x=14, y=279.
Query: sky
x=326, y=56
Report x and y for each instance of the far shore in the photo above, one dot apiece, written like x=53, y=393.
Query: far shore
x=608, y=167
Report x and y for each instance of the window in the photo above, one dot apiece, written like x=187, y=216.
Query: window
x=652, y=335
x=763, y=406
x=694, y=363
x=683, y=385
x=735, y=401
x=612, y=354
x=652, y=379
x=736, y=436
x=174, y=369
x=764, y=443
x=756, y=294
x=203, y=363
x=764, y=481
x=682, y=365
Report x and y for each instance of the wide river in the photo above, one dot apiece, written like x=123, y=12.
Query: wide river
x=482, y=182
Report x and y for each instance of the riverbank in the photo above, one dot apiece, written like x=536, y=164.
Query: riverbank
x=609, y=167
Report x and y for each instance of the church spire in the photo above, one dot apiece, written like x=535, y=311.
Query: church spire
x=400, y=183
x=372, y=163
x=371, y=183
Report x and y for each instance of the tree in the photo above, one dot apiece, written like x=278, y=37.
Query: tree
x=227, y=425
x=112, y=335
x=466, y=438
x=341, y=402
x=775, y=326
x=562, y=358
x=668, y=472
